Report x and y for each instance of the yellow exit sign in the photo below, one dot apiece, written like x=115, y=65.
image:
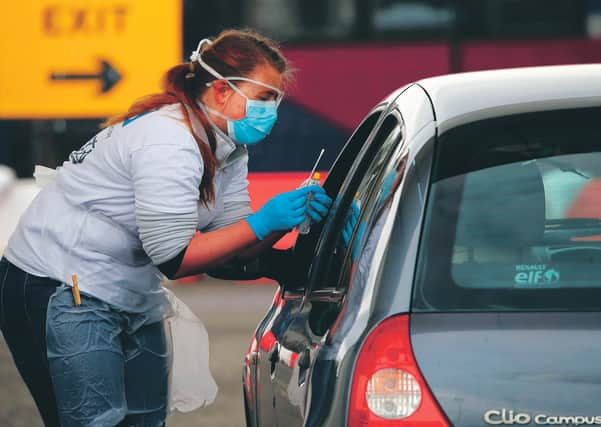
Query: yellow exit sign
x=84, y=58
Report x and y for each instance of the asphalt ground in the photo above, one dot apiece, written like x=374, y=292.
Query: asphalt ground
x=230, y=312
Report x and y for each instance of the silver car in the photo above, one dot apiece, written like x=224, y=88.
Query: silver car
x=457, y=278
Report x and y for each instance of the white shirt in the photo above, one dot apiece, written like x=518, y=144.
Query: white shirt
x=127, y=201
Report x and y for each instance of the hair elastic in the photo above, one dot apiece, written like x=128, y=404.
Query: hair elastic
x=195, y=56
x=191, y=74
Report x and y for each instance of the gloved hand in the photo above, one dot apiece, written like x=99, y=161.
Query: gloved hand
x=320, y=205
x=350, y=223
x=285, y=211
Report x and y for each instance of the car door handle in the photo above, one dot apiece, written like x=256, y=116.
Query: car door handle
x=274, y=358
x=303, y=362
x=253, y=357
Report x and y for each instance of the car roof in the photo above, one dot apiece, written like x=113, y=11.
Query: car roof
x=466, y=97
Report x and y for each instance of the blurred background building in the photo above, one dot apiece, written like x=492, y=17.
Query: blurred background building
x=68, y=64
x=348, y=55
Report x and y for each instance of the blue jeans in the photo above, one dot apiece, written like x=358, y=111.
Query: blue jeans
x=23, y=303
x=105, y=364
x=94, y=365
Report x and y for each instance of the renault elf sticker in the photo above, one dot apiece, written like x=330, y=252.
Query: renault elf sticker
x=536, y=276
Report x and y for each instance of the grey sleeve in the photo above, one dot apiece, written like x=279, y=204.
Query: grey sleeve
x=236, y=200
x=232, y=213
x=166, y=180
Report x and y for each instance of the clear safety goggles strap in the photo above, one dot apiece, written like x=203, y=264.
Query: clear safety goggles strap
x=196, y=56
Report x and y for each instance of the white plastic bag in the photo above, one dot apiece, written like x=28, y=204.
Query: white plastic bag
x=7, y=178
x=191, y=384
x=43, y=175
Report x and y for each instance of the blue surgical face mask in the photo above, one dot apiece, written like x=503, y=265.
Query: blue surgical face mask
x=255, y=125
x=260, y=115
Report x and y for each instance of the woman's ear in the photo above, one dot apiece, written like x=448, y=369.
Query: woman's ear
x=221, y=92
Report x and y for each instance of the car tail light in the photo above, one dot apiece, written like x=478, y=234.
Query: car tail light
x=388, y=388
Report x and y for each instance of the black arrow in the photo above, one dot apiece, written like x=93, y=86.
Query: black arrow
x=108, y=76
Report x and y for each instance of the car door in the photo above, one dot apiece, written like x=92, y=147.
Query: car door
x=301, y=327
x=265, y=352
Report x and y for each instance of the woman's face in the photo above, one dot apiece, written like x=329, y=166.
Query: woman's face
x=222, y=98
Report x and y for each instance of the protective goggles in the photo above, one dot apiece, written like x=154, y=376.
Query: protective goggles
x=196, y=56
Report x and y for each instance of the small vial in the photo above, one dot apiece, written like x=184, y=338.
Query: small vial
x=358, y=199
x=305, y=226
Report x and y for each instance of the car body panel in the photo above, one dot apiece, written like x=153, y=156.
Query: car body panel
x=333, y=355
x=318, y=394
x=534, y=363
x=337, y=358
x=261, y=368
x=467, y=97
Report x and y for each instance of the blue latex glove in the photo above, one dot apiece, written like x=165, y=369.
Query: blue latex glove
x=282, y=212
x=349, y=226
x=350, y=223
x=320, y=205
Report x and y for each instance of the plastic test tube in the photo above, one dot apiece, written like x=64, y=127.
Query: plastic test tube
x=305, y=226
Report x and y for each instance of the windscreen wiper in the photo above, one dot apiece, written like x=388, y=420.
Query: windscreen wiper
x=564, y=167
x=563, y=223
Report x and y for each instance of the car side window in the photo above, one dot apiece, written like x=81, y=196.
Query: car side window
x=357, y=200
x=367, y=221
x=305, y=247
x=360, y=259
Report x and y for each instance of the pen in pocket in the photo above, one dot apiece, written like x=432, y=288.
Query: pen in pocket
x=75, y=290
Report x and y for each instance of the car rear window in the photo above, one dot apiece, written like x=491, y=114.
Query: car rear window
x=513, y=218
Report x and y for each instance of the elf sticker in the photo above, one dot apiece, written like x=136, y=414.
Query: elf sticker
x=536, y=276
